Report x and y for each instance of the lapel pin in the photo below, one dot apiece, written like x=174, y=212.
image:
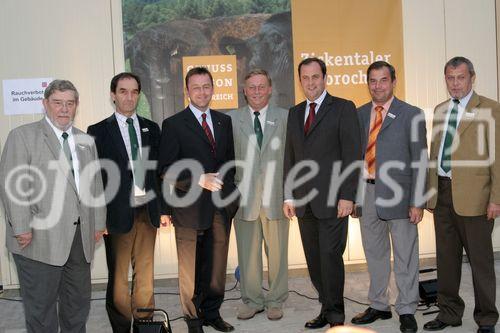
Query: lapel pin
x=272, y=123
x=82, y=146
x=469, y=115
x=145, y=129
x=391, y=115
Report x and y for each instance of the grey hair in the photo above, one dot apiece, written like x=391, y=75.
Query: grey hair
x=259, y=71
x=60, y=85
x=457, y=61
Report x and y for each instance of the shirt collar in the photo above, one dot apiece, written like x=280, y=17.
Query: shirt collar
x=386, y=105
x=123, y=119
x=57, y=131
x=318, y=100
x=464, y=100
x=197, y=112
x=262, y=111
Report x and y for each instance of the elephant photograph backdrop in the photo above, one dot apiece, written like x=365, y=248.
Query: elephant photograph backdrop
x=162, y=39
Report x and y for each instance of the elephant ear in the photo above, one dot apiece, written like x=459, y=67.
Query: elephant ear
x=233, y=46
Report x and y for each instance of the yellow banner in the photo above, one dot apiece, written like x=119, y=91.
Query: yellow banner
x=224, y=73
x=348, y=36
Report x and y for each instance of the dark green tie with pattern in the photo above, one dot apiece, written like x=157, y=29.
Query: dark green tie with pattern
x=257, y=128
x=448, y=139
x=67, y=151
x=136, y=158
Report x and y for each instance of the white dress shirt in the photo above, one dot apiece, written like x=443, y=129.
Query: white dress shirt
x=318, y=102
x=461, y=109
x=72, y=147
x=261, y=117
x=198, y=114
x=123, y=125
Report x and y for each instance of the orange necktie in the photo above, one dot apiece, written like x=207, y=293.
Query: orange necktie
x=371, y=148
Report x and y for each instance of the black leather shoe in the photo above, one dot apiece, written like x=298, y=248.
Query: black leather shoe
x=336, y=324
x=194, y=325
x=195, y=329
x=486, y=329
x=408, y=323
x=438, y=325
x=317, y=322
x=370, y=315
x=218, y=324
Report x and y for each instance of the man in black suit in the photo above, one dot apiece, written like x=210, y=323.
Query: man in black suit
x=133, y=213
x=203, y=137
x=322, y=131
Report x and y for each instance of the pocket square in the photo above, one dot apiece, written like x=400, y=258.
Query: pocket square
x=82, y=146
x=469, y=115
x=391, y=115
x=272, y=123
x=145, y=129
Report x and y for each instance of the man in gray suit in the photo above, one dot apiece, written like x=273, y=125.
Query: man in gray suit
x=51, y=189
x=395, y=144
x=259, y=131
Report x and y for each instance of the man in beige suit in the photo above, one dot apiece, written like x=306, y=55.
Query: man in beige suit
x=466, y=174
x=51, y=189
x=259, y=131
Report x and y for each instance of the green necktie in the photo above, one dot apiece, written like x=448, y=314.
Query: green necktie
x=136, y=158
x=257, y=128
x=67, y=151
x=448, y=139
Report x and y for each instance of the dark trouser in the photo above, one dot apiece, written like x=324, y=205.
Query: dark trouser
x=202, y=256
x=134, y=248
x=453, y=234
x=47, y=288
x=324, y=242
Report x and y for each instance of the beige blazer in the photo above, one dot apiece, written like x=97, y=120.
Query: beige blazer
x=474, y=164
x=261, y=184
x=51, y=203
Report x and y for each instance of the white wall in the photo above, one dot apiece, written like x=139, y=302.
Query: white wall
x=82, y=41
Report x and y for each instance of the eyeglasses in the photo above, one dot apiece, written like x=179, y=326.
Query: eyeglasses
x=59, y=104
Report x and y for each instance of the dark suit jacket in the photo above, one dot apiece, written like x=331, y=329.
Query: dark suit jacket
x=395, y=144
x=110, y=145
x=183, y=138
x=334, y=136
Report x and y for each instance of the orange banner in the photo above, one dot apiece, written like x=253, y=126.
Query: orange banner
x=348, y=36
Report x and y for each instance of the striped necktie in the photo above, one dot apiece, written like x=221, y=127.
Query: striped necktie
x=208, y=132
x=371, y=148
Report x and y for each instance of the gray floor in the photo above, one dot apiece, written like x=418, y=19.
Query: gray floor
x=297, y=309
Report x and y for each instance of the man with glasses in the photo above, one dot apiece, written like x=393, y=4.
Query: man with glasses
x=51, y=187
x=259, y=131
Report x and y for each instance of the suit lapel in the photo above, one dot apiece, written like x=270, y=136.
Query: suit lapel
x=270, y=126
x=438, y=126
x=365, y=115
x=55, y=147
x=144, y=133
x=392, y=114
x=116, y=136
x=470, y=109
x=193, y=125
x=218, y=132
x=246, y=126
